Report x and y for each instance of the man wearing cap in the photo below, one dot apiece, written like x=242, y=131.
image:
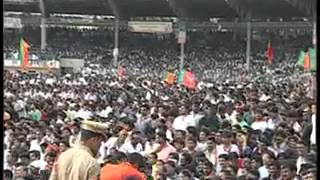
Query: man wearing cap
x=79, y=162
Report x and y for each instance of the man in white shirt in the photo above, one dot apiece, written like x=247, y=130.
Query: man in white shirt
x=20, y=107
x=105, y=112
x=180, y=123
x=194, y=117
x=302, y=153
x=134, y=145
x=274, y=119
x=259, y=122
x=313, y=119
x=9, y=161
x=84, y=113
x=222, y=115
x=143, y=119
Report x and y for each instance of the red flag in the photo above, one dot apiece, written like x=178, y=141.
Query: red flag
x=306, y=63
x=189, y=80
x=121, y=72
x=270, y=53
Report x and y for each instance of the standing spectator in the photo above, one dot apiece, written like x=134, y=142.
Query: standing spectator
x=210, y=119
x=91, y=138
x=162, y=148
x=259, y=122
x=227, y=147
x=134, y=145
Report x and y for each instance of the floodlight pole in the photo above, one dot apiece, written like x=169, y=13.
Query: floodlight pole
x=43, y=26
x=182, y=36
x=314, y=38
x=181, y=55
x=314, y=78
x=248, y=43
x=116, y=42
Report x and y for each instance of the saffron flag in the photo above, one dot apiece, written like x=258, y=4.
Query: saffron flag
x=169, y=78
x=24, y=53
x=270, y=53
x=306, y=62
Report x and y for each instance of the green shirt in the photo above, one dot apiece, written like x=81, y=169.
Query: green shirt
x=242, y=124
x=210, y=122
x=36, y=115
x=248, y=117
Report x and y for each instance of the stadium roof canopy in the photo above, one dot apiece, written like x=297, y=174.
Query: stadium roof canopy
x=195, y=9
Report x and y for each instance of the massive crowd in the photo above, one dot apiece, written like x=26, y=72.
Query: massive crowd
x=234, y=125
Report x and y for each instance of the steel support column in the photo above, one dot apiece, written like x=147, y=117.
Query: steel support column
x=314, y=37
x=43, y=26
x=116, y=42
x=118, y=15
x=248, y=52
x=181, y=56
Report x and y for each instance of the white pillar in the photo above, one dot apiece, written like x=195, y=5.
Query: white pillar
x=314, y=37
x=314, y=78
x=43, y=26
x=181, y=55
x=116, y=42
x=43, y=34
x=248, y=44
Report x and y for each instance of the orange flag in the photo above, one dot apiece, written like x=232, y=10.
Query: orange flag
x=306, y=64
x=169, y=78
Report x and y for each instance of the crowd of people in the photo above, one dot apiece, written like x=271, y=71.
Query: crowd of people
x=235, y=125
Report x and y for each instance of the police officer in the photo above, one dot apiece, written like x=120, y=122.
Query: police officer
x=79, y=163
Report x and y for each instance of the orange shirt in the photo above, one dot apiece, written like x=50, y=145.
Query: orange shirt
x=110, y=171
x=120, y=172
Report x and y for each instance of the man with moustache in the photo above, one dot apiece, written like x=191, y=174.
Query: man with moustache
x=79, y=162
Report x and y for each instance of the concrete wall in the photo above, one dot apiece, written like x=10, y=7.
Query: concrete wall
x=76, y=64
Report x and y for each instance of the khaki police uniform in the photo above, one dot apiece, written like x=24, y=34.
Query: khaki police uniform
x=79, y=163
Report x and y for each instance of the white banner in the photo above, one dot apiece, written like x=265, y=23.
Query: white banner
x=182, y=37
x=10, y=22
x=150, y=27
x=53, y=64
x=21, y=1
